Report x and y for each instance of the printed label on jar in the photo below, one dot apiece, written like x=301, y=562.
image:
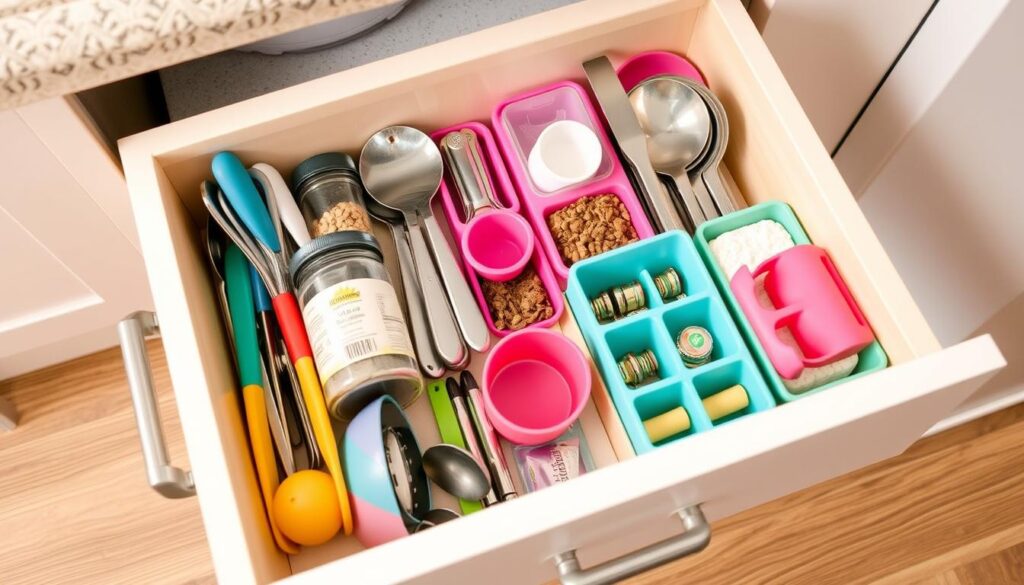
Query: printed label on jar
x=352, y=321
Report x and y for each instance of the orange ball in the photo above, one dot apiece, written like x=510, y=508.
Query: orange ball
x=306, y=508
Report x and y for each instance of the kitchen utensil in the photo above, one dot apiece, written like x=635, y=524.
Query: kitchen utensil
x=458, y=397
x=506, y=194
x=498, y=244
x=314, y=459
x=265, y=257
x=677, y=125
x=271, y=381
x=456, y=471
x=656, y=329
x=250, y=373
x=426, y=355
x=215, y=242
x=629, y=136
x=402, y=169
x=643, y=66
x=436, y=516
x=566, y=153
x=811, y=299
x=448, y=426
x=535, y=384
x=707, y=171
x=274, y=186
x=215, y=239
x=461, y=150
x=369, y=465
x=494, y=455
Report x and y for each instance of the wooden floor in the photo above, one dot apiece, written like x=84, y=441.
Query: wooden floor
x=74, y=506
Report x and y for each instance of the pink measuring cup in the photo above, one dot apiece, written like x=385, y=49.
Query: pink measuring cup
x=812, y=300
x=498, y=244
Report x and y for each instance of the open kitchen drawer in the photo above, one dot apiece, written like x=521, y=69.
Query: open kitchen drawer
x=773, y=154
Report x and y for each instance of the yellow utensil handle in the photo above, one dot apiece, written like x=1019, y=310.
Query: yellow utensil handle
x=263, y=455
x=320, y=420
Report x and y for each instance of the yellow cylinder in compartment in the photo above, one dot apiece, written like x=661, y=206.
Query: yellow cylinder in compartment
x=667, y=424
x=722, y=404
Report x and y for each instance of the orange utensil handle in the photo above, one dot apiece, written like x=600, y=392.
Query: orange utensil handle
x=293, y=329
x=263, y=455
x=313, y=395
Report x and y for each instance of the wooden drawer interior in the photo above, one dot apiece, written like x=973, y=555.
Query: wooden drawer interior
x=773, y=155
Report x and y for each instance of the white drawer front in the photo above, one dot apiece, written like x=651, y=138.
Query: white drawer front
x=632, y=504
x=773, y=154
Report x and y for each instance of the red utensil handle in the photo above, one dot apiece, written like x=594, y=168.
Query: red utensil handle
x=293, y=329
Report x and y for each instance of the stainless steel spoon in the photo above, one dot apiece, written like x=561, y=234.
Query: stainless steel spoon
x=427, y=356
x=456, y=471
x=435, y=516
x=677, y=125
x=402, y=169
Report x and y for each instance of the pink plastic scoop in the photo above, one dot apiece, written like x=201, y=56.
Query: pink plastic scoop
x=811, y=299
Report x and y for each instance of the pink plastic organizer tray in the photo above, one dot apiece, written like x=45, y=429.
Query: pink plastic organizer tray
x=518, y=122
x=506, y=194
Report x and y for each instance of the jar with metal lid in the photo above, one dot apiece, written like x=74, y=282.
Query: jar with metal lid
x=359, y=337
x=330, y=195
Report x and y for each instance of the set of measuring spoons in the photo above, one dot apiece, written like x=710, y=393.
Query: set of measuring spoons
x=687, y=132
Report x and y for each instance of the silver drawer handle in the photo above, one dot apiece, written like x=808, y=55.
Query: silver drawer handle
x=695, y=537
x=169, y=481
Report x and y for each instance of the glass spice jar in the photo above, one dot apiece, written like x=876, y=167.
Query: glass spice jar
x=359, y=337
x=330, y=195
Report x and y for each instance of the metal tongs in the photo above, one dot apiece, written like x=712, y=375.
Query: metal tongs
x=278, y=370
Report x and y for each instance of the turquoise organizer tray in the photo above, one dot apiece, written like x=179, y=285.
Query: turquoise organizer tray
x=871, y=358
x=656, y=329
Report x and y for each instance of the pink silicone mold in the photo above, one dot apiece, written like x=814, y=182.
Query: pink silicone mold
x=506, y=194
x=812, y=300
x=517, y=124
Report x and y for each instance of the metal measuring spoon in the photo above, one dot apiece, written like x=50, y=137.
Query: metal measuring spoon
x=456, y=471
x=426, y=355
x=677, y=125
x=402, y=169
x=709, y=173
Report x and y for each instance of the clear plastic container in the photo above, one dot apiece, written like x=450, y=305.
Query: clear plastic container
x=527, y=119
x=360, y=341
x=330, y=195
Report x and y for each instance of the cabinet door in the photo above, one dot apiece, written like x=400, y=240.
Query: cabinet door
x=70, y=269
x=834, y=53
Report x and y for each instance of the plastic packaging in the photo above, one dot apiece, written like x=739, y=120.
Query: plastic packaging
x=565, y=458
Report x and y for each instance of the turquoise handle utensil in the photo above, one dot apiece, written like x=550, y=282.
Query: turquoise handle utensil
x=240, y=190
x=243, y=316
x=261, y=297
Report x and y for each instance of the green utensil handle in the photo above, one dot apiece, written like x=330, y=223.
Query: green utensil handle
x=243, y=316
x=448, y=426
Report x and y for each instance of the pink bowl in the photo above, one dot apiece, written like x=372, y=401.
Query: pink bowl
x=498, y=244
x=646, y=65
x=536, y=383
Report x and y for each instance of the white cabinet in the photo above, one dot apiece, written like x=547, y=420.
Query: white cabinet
x=70, y=257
